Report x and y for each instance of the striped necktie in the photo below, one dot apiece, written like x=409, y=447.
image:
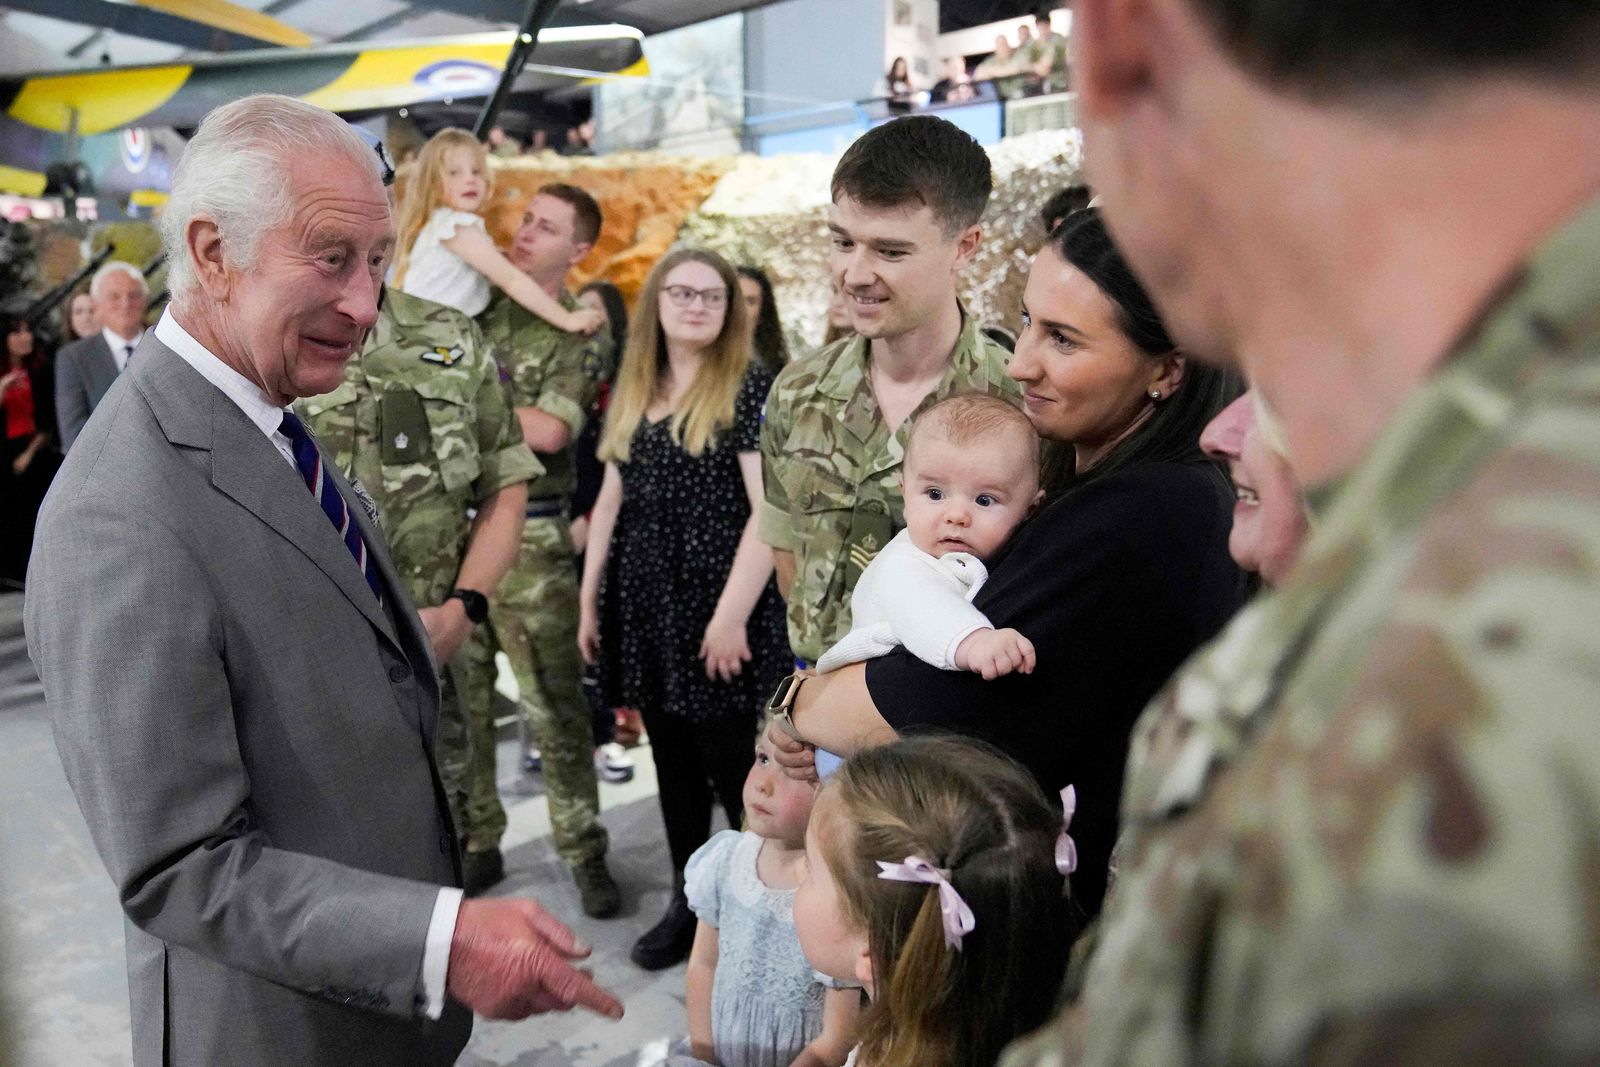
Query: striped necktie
x=309, y=459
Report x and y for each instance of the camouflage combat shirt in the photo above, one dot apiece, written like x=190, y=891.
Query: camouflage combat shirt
x=831, y=469
x=1364, y=825
x=421, y=420
x=552, y=370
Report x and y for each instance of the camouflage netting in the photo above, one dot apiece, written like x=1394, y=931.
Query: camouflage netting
x=772, y=212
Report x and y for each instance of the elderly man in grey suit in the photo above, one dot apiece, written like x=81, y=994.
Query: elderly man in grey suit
x=86, y=368
x=241, y=692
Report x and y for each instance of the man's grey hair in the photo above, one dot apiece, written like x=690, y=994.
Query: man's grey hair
x=237, y=170
x=116, y=266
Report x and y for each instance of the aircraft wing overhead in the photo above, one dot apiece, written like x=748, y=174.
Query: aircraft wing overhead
x=37, y=111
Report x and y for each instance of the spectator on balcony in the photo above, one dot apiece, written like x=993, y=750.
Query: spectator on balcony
x=1003, y=68
x=1046, y=56
x=956, y=86
x=898, y=90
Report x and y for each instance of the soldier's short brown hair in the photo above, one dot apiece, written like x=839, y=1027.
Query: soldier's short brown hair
x=586, y=217
x=919, y=159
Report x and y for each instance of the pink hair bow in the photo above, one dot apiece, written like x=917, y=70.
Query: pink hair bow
x=1066, y=849
x=958, y=918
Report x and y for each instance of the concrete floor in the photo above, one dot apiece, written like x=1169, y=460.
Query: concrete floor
x=63, y=990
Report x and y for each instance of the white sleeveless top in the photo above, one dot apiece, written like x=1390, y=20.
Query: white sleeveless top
x=438, y=274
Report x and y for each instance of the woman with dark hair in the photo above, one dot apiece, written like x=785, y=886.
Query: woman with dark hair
x=613, y=728
x=900, y=92
x=27, y=458
x=1119, y=577
x=766, y=330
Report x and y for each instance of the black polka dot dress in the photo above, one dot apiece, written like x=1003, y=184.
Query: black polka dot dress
x=673, y=546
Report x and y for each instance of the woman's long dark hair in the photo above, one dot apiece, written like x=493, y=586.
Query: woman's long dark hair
x=1172, y=433
x=770, y=347
x=616, y=313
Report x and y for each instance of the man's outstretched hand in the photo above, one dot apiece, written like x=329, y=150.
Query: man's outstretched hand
x=510, y=959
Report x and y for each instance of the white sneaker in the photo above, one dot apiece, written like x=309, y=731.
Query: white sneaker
x=613, y=764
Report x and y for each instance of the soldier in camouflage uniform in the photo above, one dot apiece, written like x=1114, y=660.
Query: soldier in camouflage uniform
x=836, y=422
x=552, y=377
x=1364, y=825
x=422, y=421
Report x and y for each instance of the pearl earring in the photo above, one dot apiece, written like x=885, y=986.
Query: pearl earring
x=1155, y=394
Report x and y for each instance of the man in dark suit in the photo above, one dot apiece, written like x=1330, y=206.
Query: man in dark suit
x=86, y=368
x=241, y=691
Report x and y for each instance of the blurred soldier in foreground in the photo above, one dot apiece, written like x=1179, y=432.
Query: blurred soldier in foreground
x=1362, y=826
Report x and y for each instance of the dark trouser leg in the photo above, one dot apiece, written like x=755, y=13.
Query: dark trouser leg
x=683, y=786
x=727, y=748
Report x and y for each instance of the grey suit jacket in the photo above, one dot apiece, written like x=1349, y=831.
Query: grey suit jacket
x=249, y=736
x=85, y=369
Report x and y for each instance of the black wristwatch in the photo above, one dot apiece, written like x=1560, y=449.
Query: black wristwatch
x=476, y=603
x=781, y=706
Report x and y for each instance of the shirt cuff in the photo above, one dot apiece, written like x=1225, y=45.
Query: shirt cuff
x=563, y=407
x=774, y=528
x=436, y=953
x=949, y=663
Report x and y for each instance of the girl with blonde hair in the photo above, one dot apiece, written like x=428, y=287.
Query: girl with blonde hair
x=678, y=605
x=935, y=879
x=446, y=254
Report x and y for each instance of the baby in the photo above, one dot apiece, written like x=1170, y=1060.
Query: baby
x=970, y=477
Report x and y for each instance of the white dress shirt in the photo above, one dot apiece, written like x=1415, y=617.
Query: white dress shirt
x=121, y=347
x=267, y=417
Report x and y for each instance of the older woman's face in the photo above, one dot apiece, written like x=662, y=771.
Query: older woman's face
x=1083, y=381
x=1269, y=516
x=82, y=316
x=291, y=320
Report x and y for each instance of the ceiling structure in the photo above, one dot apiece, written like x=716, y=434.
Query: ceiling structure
x=37, y=36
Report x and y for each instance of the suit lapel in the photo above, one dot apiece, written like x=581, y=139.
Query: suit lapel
x=413, y=639
x=246, y=467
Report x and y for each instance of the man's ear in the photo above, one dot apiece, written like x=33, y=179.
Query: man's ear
x=203, y=242
x=1113, y=54
x=578, y=254
x=967, y=245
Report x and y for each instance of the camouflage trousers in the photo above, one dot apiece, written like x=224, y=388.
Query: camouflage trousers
x=465, y=745
x=535, y=615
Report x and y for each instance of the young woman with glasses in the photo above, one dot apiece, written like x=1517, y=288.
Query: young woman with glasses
x=678, y=604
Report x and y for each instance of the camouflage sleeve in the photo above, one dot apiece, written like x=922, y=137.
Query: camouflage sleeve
x=775, y=522
x=571, y=381
x=505, y=457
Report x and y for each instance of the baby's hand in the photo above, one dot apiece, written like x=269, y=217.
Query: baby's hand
x=992, y=653
x=586, y=321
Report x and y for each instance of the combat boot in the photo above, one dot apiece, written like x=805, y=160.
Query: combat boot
x=668, y=941
x=597, y=889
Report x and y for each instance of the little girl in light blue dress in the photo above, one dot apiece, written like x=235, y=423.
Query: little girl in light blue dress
x=753, y=999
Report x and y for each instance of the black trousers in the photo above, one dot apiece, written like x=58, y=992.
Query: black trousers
x=698, y=764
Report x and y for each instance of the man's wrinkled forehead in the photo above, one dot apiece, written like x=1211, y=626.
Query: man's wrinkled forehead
x=333, y=204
